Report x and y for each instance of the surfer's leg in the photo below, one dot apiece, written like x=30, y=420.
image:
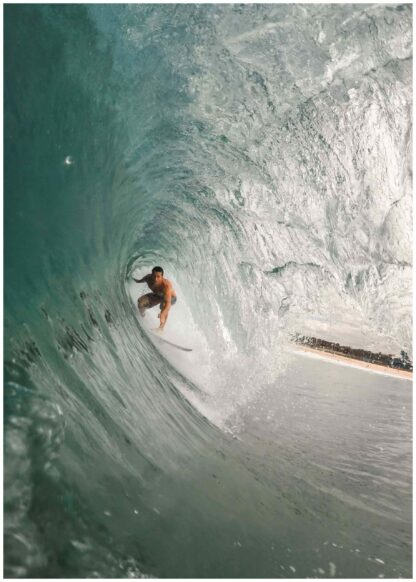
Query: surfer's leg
x=147, y=301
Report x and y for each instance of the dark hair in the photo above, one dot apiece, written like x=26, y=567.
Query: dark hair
x=157, y=270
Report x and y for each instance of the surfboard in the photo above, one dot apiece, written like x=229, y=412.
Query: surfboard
x=162, y=339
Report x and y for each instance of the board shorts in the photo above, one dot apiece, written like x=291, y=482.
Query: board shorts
x=172, y=302
x=153, y=299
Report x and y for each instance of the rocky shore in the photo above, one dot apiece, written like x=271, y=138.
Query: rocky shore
x=401, y=362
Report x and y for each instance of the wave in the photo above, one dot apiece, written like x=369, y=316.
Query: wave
x=262, y=155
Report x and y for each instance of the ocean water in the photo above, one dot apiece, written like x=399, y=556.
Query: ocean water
x=262, y=155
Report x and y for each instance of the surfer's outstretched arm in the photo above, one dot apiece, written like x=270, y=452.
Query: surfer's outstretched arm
x=142, y=280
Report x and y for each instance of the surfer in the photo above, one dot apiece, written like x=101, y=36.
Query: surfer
x=163, y=294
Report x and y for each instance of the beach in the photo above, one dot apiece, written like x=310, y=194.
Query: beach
x=353, y=362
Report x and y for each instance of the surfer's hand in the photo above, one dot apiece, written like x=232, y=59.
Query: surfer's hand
x=158, y=329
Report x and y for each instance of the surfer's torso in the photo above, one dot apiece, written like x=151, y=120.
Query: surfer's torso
x=162, y=288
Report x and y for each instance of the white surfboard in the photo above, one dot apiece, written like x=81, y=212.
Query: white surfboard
x=162, y=339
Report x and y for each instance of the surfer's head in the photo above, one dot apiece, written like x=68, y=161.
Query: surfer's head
x=157, y=274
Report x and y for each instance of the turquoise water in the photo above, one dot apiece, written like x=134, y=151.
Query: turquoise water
x=261, y=155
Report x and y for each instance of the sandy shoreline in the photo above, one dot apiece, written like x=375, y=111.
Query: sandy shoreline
x=354, y=362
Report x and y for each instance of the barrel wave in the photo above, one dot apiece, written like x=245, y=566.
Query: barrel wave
x=262, y=155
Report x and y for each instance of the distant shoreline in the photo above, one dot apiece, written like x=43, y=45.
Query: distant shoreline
x=385, y=363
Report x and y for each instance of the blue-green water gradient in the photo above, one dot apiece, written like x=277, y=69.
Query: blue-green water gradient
x=262, y=155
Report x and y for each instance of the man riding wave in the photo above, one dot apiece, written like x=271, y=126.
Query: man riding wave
x=163, y=294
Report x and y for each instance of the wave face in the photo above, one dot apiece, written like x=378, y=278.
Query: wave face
x=262, y=155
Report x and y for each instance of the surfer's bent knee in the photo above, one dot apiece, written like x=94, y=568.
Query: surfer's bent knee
x=143, y=301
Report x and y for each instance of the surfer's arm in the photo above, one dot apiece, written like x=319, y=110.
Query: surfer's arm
x=167, y=301
x=142, y=280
